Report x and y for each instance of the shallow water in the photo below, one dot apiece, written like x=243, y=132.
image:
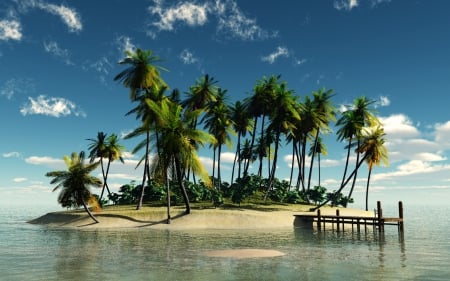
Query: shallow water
x=30, y=252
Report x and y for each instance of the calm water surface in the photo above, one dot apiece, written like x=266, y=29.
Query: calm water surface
x=30, y=252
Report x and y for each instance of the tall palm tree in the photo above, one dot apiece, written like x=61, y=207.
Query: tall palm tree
x=142, y=72
x=242, y=124
x=282, y=121
x=218, y=122
x=75, y=182
x=351, y=124
x=176, y=144
x=318, y=149
x=325, y=113
x=375, y=152
x=148, y=119
x=98, y=150
x=259, y=105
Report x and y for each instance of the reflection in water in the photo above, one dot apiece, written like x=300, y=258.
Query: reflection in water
x=150, y=254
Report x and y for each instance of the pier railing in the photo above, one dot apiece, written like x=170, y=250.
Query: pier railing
x=338, y=221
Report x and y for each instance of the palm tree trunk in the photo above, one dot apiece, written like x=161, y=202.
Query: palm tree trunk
x=316, y=140
x=139, y=204
x=354, y=177
x=181, y=183
x=88, y=211
x=251, y=144
x=169, y=219
x=219, y=176
x=346, y=161
x=342, y=186
x=367, y=189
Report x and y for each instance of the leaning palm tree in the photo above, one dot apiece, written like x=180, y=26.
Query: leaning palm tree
x=375, y=152
x=113, y=152
x=75, y=183
x=318, y=148
x=176, y=145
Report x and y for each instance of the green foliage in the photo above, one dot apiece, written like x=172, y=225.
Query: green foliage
x=293, y=197
x=316, y=194
x=338, y=199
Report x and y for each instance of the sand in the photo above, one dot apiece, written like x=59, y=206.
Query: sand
x=150, y=217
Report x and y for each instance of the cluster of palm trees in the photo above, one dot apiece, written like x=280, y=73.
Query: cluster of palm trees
x=172, y=129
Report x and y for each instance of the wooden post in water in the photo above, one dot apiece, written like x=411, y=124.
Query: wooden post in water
x=380, y=216
x=400, y=216
x=337, y=220
x=318, y=219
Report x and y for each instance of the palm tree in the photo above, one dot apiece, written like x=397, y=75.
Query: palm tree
x=282, y=121
x=75, y=183
x=259, y=105
x=351, y=125
x=324, y=112
x=374, y=151
x=218, y=122
x=142, y=73
x=98, y=150
x=176, y=144
x=318, y=149
x=148, y=119
x=114, y=152
x=242, y=123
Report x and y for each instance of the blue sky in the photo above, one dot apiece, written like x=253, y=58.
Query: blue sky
x=58, y=60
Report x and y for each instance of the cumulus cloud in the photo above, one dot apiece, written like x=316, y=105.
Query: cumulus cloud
x=10, y=30
x=187, y=57
x=231, y=21
x=17, y=86
x=345, y=4
x=53, y=48
x=279, y=52
x=51, y=106
x=68, y=15
x=399, y=126
x=46, y=161
x=384, y=101
x=20, y=179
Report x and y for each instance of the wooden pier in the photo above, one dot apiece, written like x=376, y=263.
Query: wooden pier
x=337, y=221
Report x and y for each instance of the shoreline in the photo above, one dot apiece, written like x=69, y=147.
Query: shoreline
x=119, y=217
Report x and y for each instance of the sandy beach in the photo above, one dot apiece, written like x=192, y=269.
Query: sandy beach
x=214, y=218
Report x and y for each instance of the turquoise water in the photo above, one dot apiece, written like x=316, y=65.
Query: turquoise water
x=31, y=252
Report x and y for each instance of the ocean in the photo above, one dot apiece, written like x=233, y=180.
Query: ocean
x=33, y=252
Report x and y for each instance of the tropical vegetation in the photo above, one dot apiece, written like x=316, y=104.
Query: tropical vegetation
x=171, y=129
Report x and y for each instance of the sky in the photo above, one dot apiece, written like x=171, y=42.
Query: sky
x=58, y=60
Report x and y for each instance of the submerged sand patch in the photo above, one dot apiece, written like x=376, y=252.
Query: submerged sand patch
x=244, y=253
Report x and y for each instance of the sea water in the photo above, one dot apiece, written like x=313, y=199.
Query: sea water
x=33, y=252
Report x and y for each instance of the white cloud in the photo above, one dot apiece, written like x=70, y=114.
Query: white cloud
x=10, y=29
x=279, y=52
x=55, y=107
x=190, y=13
x=69, y=16
x=231, y=21
x=399, y=126
x=125, y=45
x=16, y=86
x=53, y=48
x=384, y=101
x=20, y=179
x=345, y=4
x=12, y=154
x=188, y=57
x=45, y=160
